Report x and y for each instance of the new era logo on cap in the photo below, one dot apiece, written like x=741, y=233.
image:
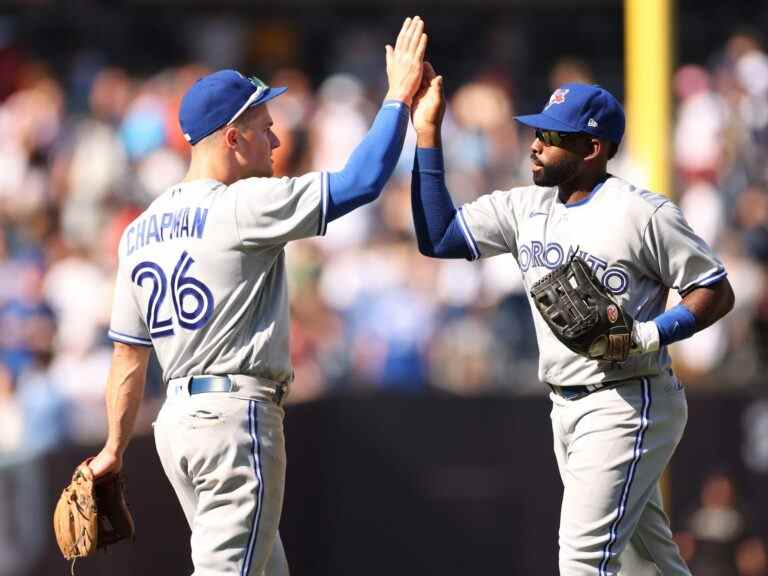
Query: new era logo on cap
x=219, y=99
x=580, y=108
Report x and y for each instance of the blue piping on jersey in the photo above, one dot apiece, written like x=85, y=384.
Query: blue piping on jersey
x=637, y=453
x=128, y=339
x=594, y=191
x=253, y=428
x=713, y=278
x=323, y=224
x=471, y=242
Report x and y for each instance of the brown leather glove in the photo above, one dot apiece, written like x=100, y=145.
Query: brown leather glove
x=91, y=514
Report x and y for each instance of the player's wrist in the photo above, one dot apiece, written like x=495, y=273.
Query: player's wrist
x=428, y=137
x=645, y=337
x=114, y=449
x=406, y=99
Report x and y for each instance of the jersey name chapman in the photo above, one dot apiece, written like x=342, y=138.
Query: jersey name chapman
x=552, y=254
x=186, y=222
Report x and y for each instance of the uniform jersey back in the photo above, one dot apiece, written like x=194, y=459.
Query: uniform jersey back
x=201, y=274
x=637, y=242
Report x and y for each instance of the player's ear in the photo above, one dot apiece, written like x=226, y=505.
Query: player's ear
x=230, y=135
x=595, y=148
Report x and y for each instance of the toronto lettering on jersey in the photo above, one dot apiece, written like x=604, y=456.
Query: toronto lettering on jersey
x=166, y=226
x=552, y=255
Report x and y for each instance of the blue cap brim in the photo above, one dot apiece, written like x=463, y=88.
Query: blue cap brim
x=544, y=122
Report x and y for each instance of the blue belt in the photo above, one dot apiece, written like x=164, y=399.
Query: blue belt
x=204, y=384
x=576, y=392
x=223, y=383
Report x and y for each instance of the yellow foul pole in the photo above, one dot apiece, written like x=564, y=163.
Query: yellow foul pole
x=648, y=74
x=648, y=71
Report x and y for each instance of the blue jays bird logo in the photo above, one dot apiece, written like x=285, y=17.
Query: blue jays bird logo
x=558, y=97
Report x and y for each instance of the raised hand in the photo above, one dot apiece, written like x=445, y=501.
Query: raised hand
x=428, y=108
x=405, y=61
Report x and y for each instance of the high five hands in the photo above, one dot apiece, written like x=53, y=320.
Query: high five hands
x=428, y=108
x=406, y=60
x=415, y=82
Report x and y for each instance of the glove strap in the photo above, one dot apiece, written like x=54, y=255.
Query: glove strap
x=618, y=347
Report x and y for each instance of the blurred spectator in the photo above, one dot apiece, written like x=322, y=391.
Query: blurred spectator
x=462, y=357
x=27, y=322
x=751, y=558
x=93, y=162
x=700, y=127
x=23, y=517
x=11, y=419
x=718, y=540
x=341, y=120
x=570, y=69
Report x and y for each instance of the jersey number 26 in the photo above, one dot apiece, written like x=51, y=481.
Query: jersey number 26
x=184, y=289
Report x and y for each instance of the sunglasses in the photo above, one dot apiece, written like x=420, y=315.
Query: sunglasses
x=553, y=137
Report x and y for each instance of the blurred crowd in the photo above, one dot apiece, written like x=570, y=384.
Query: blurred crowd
x=81, y=156
x=720, y=535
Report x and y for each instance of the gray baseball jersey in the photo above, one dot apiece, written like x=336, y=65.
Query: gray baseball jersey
x=202, y=274
x=636, y=241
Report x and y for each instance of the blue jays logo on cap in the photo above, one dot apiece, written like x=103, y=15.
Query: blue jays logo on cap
x=581, y=108
x=219, y=99
x=558, y=97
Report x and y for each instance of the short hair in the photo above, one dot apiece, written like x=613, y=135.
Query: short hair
x=613, y=148
x=240, y=121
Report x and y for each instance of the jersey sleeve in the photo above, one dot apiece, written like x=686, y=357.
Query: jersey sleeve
x=680, y=258
x=127, y=324
x=489, y=225
x=277, y=210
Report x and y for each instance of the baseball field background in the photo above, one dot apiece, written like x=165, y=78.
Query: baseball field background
x=418, y=434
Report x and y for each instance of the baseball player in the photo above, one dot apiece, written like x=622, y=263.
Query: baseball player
x=615, y=424
x=202, y=281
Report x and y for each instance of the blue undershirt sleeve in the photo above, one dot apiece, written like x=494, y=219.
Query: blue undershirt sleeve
x=371, y=164
x=435, y=218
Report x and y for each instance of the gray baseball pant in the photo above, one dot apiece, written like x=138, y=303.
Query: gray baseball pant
x=224, y=455
x=612, y=447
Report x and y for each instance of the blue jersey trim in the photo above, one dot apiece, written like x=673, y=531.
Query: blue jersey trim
x=127, y=339
x=323, y=224
x=468, y=235
x=583, y=201
x=631, y=472
x=396, y=104
x=713, y=278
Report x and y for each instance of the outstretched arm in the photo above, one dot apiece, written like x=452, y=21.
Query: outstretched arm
x=371, y=164
x=437, y=222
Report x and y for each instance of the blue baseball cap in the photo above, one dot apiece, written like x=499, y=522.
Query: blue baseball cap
x=219, y=99
x=581, y=108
